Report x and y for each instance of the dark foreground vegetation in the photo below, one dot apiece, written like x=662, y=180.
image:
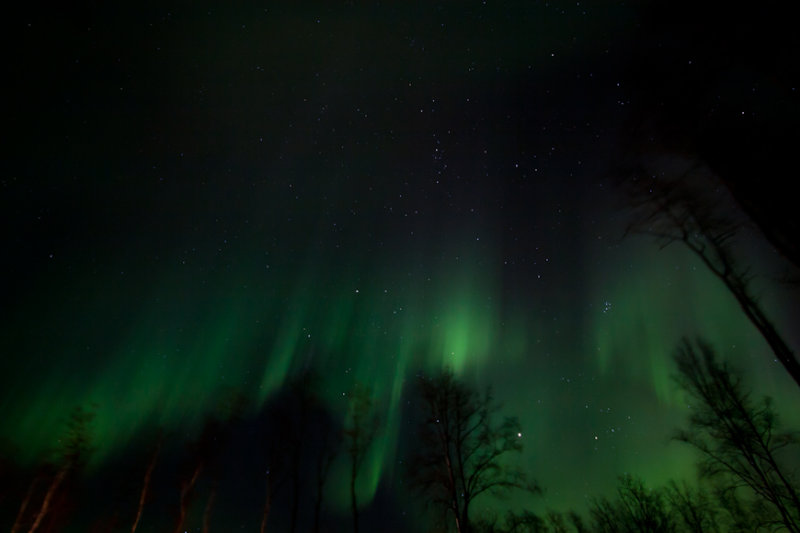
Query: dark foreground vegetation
x=268, y=470
x=706, y=162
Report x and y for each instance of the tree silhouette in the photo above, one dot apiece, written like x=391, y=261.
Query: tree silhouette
x=636, y=509
x=686, y=209
x=713, y=114
x=275, y=474
x=277, y=448
x=359, y=433
x=461, y=447
x=525, y=522
x=329, y=440
x=200, y=454
x=718, y=88
x=553, y=522
x=301, y=432
x=75, y=450
x=143, y=495
x=737, y=437
x=204, y=454
x=26, y=500
x=693, y=508
x=291, y=422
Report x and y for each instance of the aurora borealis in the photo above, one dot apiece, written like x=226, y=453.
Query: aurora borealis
x=205, y=199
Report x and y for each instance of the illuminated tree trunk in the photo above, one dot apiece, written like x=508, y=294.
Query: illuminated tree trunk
x=186, y=490
x=456, y=513
x=267, y=503
x=48, y=498
x=265, y=513
x=207, y=512
x=452, y=482
x=460, y=448
x=145, y=487
x=24, y=505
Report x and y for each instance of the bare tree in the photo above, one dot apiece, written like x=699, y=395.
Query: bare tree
x=461, y=448
x=205, y=451
x=143, y=495
x=299, y=431
x=329, y=440
x=742, y=515
x=525, y=522
x=275, y=478
x=302, y=396
x=725, y=106
x=687, y=208
x=207, y=511
x=359, y=434
x=694, y=508
x=557, y=522
x=737, y=437
x=187, y=488
x=76, y=447
x=277, y=448
x=636, y=509
x=26, y=501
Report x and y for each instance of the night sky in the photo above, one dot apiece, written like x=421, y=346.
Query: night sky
x=204, y=198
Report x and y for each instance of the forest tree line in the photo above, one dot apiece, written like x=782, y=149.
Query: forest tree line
x=464, y=445
x=465, y=450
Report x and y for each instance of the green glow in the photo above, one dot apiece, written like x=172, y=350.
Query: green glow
x=646, y=309
x=179, y=342
x=463, y=323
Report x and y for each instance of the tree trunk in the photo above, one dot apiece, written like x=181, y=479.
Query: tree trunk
x=24, y=505
x=353, y=497
x=207, y=511
x=736, y=283
x=779, y=347
x=48, y=498
x=145, y=486
x=186, y=490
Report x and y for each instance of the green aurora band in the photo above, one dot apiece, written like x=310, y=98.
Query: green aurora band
x=594, y=388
